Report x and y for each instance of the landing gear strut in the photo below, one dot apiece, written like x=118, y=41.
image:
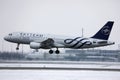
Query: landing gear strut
x=57, y=51
x=17, y=48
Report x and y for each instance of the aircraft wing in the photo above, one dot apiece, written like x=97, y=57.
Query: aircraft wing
x=50, y=43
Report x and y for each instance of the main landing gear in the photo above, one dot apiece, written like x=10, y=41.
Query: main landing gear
x=51, y=51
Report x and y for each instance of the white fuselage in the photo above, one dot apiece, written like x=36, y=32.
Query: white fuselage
x=59, y=41
x=47, y=41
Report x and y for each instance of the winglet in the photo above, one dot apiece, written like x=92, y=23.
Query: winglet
x=104, y=32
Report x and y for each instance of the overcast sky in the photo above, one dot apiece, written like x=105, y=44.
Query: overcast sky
x=62, y=17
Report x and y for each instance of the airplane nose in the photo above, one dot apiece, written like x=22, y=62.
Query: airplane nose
x=6, y=38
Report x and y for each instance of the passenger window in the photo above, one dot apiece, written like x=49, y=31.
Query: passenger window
x=33, y=34
x=24, y=34
x=40, y=35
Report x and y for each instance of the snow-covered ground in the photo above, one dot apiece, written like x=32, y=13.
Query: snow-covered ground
x=58, y=75
x=60, y=64
x=44, y=74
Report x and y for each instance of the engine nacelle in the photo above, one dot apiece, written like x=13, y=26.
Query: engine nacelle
x=35, y=45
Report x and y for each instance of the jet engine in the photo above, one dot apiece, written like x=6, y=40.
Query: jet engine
x=35, y=45
x=47, y=44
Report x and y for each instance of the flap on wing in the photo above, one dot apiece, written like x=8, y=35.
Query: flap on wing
x=58, y=45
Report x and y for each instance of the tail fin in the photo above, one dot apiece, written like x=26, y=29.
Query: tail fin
x=104, y=32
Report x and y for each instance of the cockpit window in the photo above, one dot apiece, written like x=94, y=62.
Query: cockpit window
x=10, y=34
x=94, y=41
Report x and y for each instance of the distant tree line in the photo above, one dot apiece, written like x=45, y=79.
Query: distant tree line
x=12, y=56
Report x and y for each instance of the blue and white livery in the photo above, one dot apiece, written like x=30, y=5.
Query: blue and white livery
x=47, y=41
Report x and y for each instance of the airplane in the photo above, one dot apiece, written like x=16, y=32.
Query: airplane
x=48, y=41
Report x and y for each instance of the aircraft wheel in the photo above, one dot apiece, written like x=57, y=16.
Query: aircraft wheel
x=51, y=51
x=57, y=51
x=17, y=48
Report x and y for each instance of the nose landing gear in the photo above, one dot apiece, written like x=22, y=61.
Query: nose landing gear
x=17, y=48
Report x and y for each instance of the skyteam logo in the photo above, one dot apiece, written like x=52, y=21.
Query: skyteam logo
x=77, y=42
x=105, y=30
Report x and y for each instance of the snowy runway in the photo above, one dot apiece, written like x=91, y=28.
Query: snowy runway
x=59, y=71
x=58, y=75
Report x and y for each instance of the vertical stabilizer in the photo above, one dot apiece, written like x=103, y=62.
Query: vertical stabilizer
x=104, y=32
